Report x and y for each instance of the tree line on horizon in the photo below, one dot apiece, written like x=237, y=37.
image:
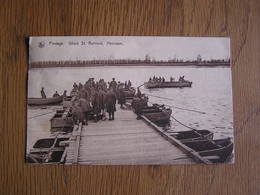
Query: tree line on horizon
x=147, y=60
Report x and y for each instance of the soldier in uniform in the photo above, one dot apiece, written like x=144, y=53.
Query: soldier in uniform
x=129, y=84
x=113, y=84
x=80, y=86
x=75, y=86
x=43, y=93
x=111, y=103
x=102, y=84
x=56, y=94
x=95, y=99
x=138, y=94
x=102, y=98
x=163, y=79
x=77, y=112
x=121, y=97
x=85, y=106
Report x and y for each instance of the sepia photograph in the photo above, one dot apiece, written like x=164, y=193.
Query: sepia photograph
x=129, y=100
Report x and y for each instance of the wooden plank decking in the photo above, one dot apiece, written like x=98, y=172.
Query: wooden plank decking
x=123, y=141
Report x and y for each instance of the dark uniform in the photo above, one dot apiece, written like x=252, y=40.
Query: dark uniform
x=56, y=94
x=77, y=112
x=80, y=86
x=129, y=83
x=139, y=94
x=111, y=104
x=102, y=96
x=75, y=86
x=95, y=98
x=113, y=85
x=86, y=107
x=103, y=84
x=121, y=97
x=43, y=93
x=102, y=99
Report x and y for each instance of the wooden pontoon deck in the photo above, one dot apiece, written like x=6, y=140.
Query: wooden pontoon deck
x=124, y=141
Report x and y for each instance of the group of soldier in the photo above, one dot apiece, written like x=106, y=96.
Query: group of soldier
x=97, y=98
x=157, y=79
x=162, y=79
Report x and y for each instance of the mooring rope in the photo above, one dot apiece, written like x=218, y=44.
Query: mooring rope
x=182, y=108
x=195, y=130
x=179, y=121
x=41, y=115
x=191, y=110
x=159, y=96
x=186, y=109
x=184, y=124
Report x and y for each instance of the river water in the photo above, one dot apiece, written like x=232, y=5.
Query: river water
x=210, y=94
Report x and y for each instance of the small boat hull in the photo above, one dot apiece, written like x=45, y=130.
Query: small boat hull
x=174, y=84
x=192, y=135
x=47, y=150
x=130, y=92
x=213, y=150
x=139, y=103
x=152, y=109
x=62, y=121
x=162, y=116
x=67, y=102
x=44, y=101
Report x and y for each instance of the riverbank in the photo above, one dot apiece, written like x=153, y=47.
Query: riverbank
x=175, y=64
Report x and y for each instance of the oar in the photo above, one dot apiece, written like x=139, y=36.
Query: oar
x=140, y=85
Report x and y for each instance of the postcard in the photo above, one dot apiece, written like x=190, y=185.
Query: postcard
x=129, y=100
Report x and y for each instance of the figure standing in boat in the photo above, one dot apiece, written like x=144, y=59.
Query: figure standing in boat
x=43, y=93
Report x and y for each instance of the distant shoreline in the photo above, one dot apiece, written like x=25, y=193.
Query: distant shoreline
x=196, y=64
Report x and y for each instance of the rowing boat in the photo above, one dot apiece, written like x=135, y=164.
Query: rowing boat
x=48, y=150
x=45, y=101
x=129, y=92
x=67, y=102
x=167, y=84
x=213, y=150
x=62, y=121
x=153, y=108
x=192, y=135
x=138, y=103
x=158, y=116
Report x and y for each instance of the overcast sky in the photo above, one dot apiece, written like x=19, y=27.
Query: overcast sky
x=127, y=47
